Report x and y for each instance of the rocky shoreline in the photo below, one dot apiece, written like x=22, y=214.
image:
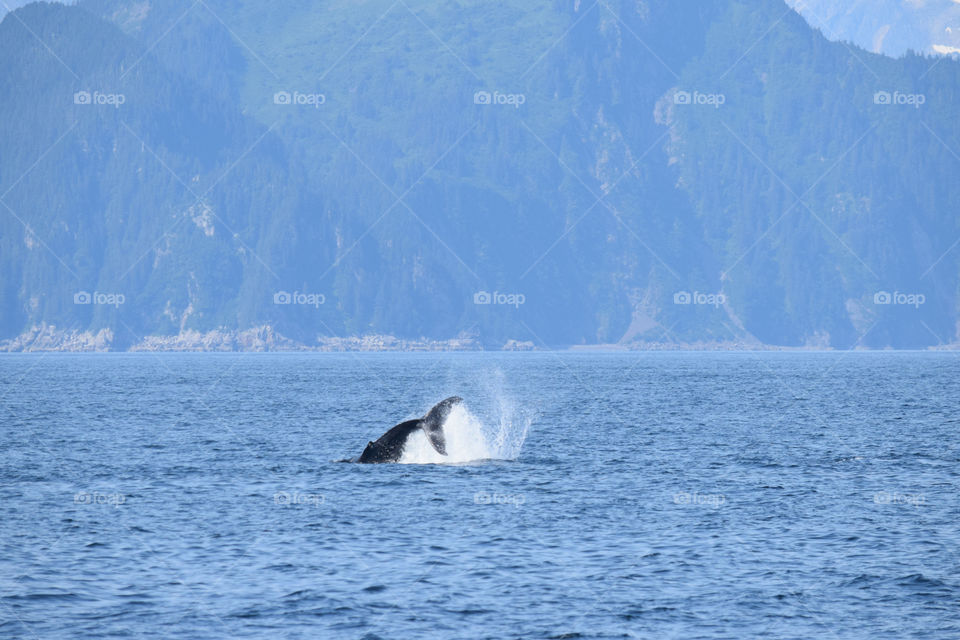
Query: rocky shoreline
x=49, y=338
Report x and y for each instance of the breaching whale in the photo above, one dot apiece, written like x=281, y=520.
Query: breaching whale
x=389, y=447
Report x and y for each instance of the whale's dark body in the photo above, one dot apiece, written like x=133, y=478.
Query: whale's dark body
x=389, y=447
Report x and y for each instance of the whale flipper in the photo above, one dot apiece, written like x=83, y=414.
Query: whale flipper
x=389, y=447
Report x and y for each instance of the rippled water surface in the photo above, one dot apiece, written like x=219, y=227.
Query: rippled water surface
x=790, y=495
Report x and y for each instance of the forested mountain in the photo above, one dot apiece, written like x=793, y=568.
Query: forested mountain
x=891, y=27
x=637, y=173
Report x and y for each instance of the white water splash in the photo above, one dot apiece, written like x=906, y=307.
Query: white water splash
x=470, y=440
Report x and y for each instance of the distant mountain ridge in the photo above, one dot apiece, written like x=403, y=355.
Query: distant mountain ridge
x=630, y=174
x=890, y=27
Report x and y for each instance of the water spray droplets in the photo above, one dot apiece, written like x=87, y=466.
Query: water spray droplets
x=469, y=439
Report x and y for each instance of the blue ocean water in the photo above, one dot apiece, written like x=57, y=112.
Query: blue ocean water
x=661, y=495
